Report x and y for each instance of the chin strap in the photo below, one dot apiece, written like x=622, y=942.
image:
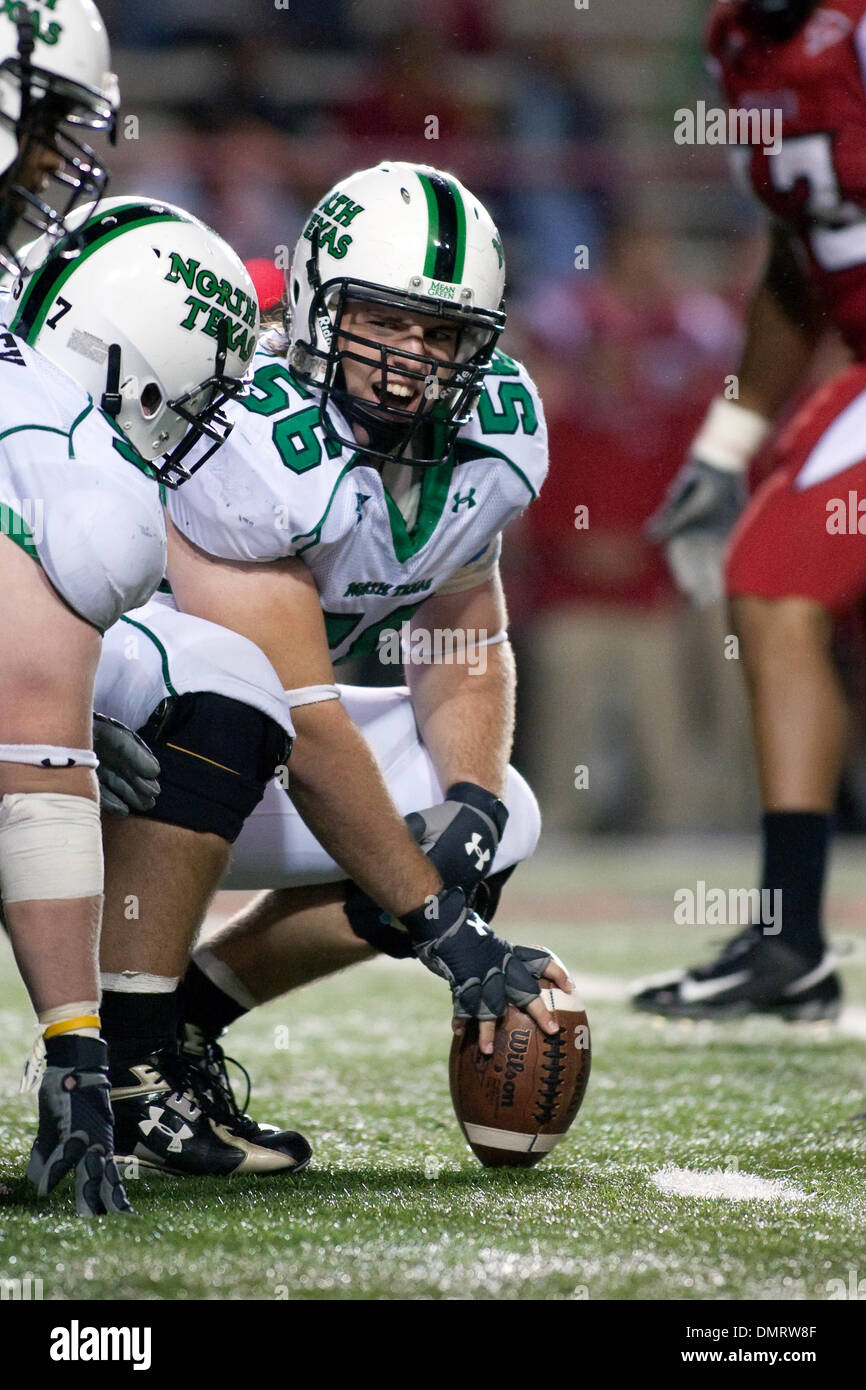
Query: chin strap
x=111, y=397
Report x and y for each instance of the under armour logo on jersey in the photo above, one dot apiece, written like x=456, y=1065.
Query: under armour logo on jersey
x=360, y=499
x=177, y=1136
x=468, y=500
x=473, y=846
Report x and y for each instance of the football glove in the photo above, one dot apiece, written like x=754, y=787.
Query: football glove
x=706, y=498
x=76, y=1129
x=461, y=835
x=694, y=523
x=127, y=769
x=485, y=972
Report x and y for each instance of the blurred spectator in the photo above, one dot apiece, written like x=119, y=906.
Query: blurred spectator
x=626, y=364
x=406, y=87
x=162, y=23
x=548, y=110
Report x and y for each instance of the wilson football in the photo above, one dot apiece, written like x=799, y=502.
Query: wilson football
x=517, y=1104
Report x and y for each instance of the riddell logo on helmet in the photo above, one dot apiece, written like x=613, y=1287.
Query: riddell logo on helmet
x=231, y=303
x=52, y=31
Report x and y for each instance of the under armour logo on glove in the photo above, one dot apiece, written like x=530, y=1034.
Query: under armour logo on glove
x=461, y=836
x=473, y=846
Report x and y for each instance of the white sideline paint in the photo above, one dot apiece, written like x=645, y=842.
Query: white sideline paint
x=728, y=1186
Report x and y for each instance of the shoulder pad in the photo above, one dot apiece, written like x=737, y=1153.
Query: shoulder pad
x=509, y=424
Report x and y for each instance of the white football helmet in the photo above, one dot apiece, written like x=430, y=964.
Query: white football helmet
x=408, y=236
x=55, y=82
x=153, y=314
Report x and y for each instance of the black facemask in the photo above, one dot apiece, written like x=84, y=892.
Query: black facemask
x=54, y=113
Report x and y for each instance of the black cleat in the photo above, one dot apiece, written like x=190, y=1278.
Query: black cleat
x=174, y=1114
x=75, y=1127
x=753, y=974
x=207, y=1054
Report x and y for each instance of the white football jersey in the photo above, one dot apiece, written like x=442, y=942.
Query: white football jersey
x=73, y=494
x=280, y=487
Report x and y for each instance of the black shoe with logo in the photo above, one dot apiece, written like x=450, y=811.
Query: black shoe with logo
x=753, y=973
x=175, y=1114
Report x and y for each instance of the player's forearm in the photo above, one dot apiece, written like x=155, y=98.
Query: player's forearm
x=783, y=327
x=339, y=791
x=466, y=716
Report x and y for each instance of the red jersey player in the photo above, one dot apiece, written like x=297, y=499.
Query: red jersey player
x=794, y=562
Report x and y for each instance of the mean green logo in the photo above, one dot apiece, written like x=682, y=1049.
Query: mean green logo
x=216, y=299
x=442, y=291
x=52, y=30
x=500, y=254
x=335, y=212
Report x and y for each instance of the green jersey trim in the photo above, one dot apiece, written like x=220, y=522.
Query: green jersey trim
x=19, y=532
x=159, y=647
x=74, y=426
x=435, y=486
x=466, y=451
x=314, y=535
x=45, y=429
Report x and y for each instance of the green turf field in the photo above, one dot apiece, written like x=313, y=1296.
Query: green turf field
x=395, y=1205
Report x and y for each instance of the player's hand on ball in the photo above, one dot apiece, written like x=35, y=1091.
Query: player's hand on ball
x=127, y=769
x=485, y=972
x=461, y=835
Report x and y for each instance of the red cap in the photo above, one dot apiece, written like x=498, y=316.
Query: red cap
x=269, y=282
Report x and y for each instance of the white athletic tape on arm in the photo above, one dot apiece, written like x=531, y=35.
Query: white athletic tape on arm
x=50, y=847
x=312, y=695
x=47, y=755
x=729, y=436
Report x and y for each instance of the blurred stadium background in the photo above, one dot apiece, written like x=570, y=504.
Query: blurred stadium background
x=562, y=120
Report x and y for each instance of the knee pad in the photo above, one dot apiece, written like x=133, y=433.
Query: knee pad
x=216, y=756
x=50, y=847
x=380, y=930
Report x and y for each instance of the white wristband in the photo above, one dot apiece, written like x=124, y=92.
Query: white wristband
x=311, y=695
x=729, y=436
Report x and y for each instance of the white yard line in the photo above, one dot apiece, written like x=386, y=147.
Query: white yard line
x=725, y=1185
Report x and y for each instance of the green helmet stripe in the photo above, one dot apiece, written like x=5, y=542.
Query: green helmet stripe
x=45, y=284
x=446, y=229
x=460, y=250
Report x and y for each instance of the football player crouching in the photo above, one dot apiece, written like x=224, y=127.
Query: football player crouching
x=379, y=454
x=102, y=391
